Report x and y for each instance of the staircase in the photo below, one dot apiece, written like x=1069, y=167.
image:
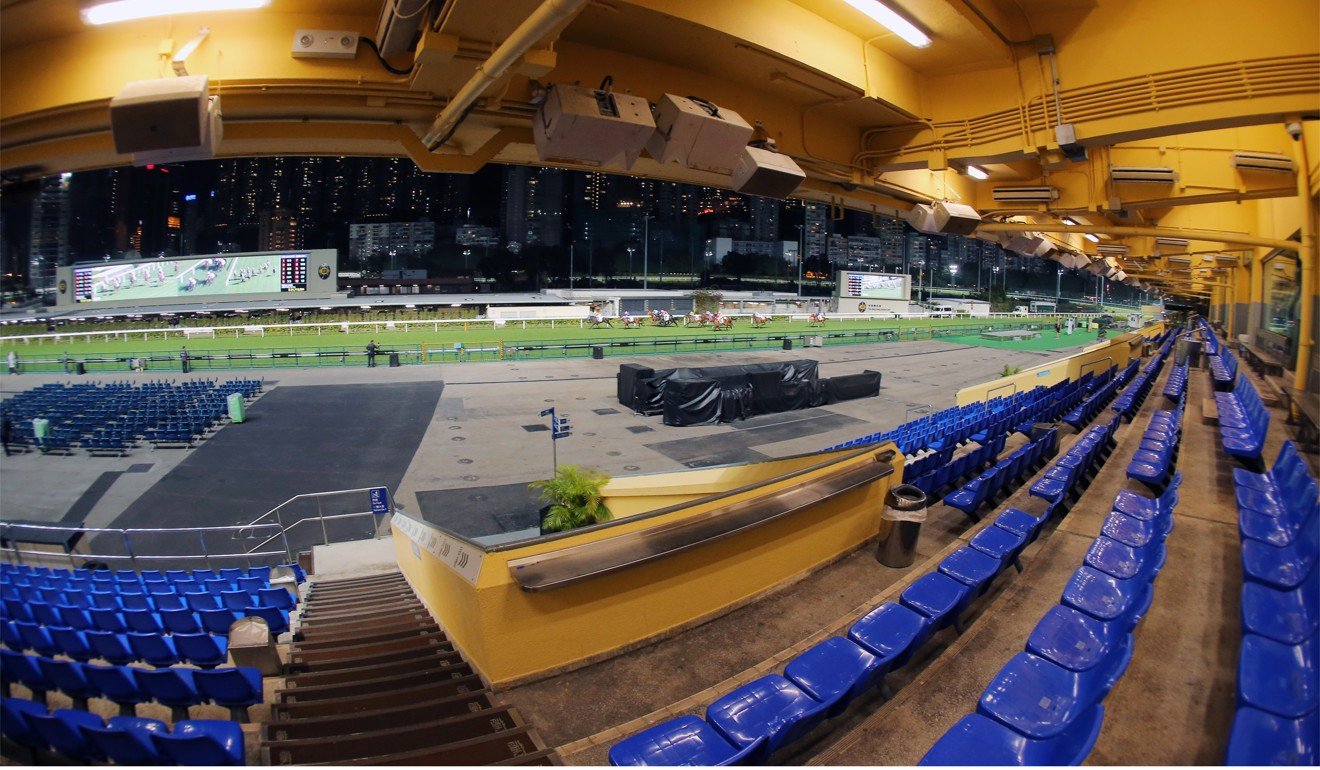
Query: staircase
x=372, y=680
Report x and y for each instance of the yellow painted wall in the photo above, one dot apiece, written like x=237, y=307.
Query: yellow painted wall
x=1094, y=359
x=511, y=634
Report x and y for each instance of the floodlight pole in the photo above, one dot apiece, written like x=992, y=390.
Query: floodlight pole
x=570, y=266
x=646, y=250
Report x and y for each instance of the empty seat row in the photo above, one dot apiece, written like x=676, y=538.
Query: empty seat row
x=234, y=688
x=179, y=620
x=1134, y=395
x=81, y=736
x=1044, y=705
x=1005, y=476
x=938, y=479
x=1243, y=420
x=1223, y=369
x=1175, y=388
x=1068, y=477
x=200, y=649
x=18, y=573
x=751, y=723
x=1085, y=412
x=46, y=602
x=1155, y=460
x=1278, y=715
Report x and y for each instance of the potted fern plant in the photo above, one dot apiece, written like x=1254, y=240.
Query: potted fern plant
x=573, y=499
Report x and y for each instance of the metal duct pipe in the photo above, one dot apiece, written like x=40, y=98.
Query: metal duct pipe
x=549, y=14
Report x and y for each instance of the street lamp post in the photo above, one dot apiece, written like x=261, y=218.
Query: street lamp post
x=953, y=275
x=802, y=248
x=570, y=266
x=1058, y=286
x=646, y=250
x=630, y=261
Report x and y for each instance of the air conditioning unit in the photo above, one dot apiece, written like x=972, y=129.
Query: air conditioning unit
x=1175, y=243
x=956, y=218
x=397, y=26
x=697, y=134
x=212, y=132
x=1025, y=194
x=583, y=125
x=1263, y=161
x=1112, y=248
x=1146, y=174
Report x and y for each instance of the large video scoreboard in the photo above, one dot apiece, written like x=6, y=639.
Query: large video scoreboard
x=207, y=277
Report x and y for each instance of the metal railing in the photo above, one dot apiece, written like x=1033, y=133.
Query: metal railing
x=280, y=540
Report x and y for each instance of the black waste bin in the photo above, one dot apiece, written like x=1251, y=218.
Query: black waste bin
x=597, y=352
x=81, y=368
x=905, y=510
x=788, y=344
x=394, y=359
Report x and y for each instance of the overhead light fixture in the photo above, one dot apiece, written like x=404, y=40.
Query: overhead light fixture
x=892, y=21
x=129, y=10
x=1092, y=237
x=977, y=173
x=1069, y=221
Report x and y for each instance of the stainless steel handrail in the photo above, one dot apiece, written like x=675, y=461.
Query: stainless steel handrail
x=126, y=533
x=325, y=538
x=276, y=510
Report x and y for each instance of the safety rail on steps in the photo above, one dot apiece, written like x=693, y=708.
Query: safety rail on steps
x=20, y=549
x=289, y=508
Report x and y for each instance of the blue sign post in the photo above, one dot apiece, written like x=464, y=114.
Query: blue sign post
x=380, y=500
x=559, y=428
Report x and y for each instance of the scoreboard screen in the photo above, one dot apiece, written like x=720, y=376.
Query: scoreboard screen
x=872, y=285
x=210, y=276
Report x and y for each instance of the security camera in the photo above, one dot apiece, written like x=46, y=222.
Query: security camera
x=1294, y=129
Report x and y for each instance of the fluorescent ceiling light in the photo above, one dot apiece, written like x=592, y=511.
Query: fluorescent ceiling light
x=976, y=173
x=1069, y=221
x=1092, y=237
x=128, y=10
x=892, y=21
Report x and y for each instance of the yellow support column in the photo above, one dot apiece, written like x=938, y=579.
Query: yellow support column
x=1306, y=259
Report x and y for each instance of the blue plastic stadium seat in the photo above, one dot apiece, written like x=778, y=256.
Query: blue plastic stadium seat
x=1289, y=617
x=115, y=684
x=836, y=671
x=126, y=740
x=891, y=631
x=202, y=650
x=275, y=597
x=276, y=620
x=233, y=688
x=71, y=643
x=1106, y=597
x=172, y=687
x=1073, y=639
x=61, y=732
x=686, y=741
x=156, y=649
x=972, y=568
x=1134, y=532
x=23, y=669
x=938, y=597
x=202, y=742
x=1278, y=678
x=979, y=740
x=15, y=724
x=1020, y=522
x=1000, y=544
x=1262, y=738
x=1286, y=567
x=111, y=647
x=180, y=621
x=142, y=621
x=771, y=708
x=1040, y=699
x=217, y=622
x=38, y=638
x=11, y=637
x=68, y=678
x=1123, y=561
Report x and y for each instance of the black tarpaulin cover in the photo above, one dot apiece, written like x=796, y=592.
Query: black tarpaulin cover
x=692, y=402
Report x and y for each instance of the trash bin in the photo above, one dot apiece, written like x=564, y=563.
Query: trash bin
x=1189, y=352
x=81, y=368
x=235, y=404
x=905, y=510
x=394, y=359
x=251, y=645
x=597, y=352
x=788, y=344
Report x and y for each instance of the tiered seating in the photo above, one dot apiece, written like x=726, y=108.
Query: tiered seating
x=1134, y=395
x=1155, y=459
x=1277, y=721
x=1004, y=477
x=1044, y=706
x=85, y=737
x=1243, y=421
x=1065, y=481
x=1176, y=386
x=1085, y=412
x=971, y=462
x=751, y=723
x=125, y=616
x=1223, y=369
x=111, y=418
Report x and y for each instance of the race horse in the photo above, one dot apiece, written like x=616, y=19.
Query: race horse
x=721, y=321
x=816, y=319
x=759, y=320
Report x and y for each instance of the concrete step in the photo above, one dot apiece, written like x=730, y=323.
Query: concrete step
x=291, y=708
